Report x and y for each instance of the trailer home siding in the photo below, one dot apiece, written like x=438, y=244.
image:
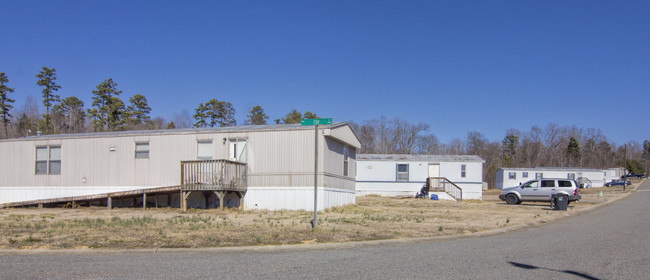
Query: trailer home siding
x=591, y=177
x=279, y=158
x=404, y=175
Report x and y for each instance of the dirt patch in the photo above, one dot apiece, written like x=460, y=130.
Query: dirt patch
x=371, y=218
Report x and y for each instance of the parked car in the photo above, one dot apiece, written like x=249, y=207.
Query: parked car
x=632, y=175
x=617, y=183
x=541, y=190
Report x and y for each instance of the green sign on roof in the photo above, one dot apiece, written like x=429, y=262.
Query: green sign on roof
x=316, y=121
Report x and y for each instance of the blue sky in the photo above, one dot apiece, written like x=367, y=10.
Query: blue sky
x=458, y=66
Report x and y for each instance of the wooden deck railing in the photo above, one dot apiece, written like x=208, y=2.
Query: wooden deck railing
x=213, y=175
x=448, y=186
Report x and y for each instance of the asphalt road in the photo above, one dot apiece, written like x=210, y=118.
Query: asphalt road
x=611, y=242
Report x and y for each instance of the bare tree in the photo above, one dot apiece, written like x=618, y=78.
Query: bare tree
x=182, y=119
x=27, y=118
x=428, y=144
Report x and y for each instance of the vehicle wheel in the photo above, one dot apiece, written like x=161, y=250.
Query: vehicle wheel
x=512, y=199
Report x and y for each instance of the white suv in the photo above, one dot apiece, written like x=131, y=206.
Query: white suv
x=541, y=190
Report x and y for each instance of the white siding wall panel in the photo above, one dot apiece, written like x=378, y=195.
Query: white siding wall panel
x=379, y=177
x=276, y=159
x=598, y=177
x=418, y=171
x=388, y=188
x=295, y=198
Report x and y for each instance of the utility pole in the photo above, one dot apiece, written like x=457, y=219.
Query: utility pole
x=313, y=225
x=625, y=168
x=315, y=123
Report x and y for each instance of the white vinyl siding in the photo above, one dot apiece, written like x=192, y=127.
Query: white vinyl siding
x=279, y=158
x=346, y=161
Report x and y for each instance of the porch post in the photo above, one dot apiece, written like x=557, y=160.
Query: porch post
x=220, y=195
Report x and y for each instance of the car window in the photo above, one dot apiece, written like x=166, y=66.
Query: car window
x=564, y=183
x=548, y=183
x=531, y=184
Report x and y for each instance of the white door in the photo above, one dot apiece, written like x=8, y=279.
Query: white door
x=434, y=171
x=238, y=150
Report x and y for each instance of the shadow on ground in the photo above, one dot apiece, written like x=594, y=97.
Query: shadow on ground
x=576, y=273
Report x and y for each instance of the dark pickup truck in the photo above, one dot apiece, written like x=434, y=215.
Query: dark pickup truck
x=617, y=183
x=633, y=175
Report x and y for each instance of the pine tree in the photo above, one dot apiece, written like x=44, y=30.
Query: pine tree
x=137, y=113
x=309, y=115
x=108, y=108
x=5, y=102
x=292, y=117
x=509, y=149
x=46, y=78
x=573, y=152
x=215, y=113
x=200, y=116
x=256, y=116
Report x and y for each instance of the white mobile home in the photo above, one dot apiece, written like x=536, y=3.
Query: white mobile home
x=396, y=175
x=261, y=167
x=511, y=177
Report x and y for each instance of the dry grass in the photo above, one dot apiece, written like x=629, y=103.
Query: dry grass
x=371, y=218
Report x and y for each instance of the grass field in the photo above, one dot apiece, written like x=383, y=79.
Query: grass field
x=371, y=218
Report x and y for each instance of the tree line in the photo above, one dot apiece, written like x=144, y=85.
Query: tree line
x=551, y=145
x=109, y=113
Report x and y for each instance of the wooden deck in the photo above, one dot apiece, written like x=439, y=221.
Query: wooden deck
x=213, y=175
x=108, y=197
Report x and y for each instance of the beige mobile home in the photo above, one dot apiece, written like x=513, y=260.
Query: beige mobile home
x=254, y=167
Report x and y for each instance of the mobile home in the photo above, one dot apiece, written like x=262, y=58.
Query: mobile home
x=253, y=167
x=589, y=177
x=398, y=175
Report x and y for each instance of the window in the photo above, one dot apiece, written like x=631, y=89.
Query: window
x=346, y=158
x=524, y=175
x=532, y=184
x=564, y=184
x=463, y=170
x=402, y=172
x=204, y=149
x=142, y=150
x=539, y=175
x=512, y=175
x=571, y=176
x=48, y=160
x=548, y=183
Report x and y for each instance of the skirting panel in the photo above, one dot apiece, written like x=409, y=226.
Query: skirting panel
x=470, y=191
x=296, y=198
